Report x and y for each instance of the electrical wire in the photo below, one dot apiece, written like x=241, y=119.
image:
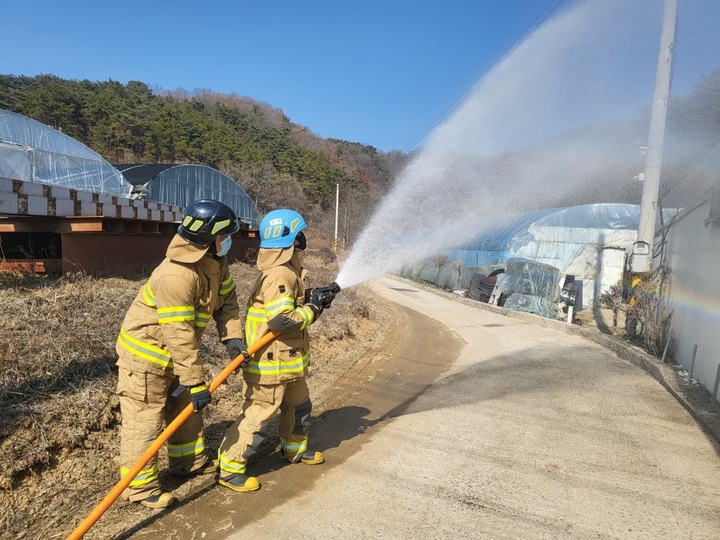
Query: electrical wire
x=539, y=20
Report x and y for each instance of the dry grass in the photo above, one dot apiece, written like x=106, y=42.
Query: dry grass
x=56, y=364
x=59, y=416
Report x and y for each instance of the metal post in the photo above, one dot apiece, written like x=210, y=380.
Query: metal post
x=643, y=247
x=713, y=399
x=667, y=344
x=692, y=362
x=337, y=204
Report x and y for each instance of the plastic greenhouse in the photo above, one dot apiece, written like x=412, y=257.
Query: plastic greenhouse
x=182, y=184
x=587, y=242
x=33, y=152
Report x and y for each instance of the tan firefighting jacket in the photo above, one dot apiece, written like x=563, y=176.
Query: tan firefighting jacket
x=162, y=329
x=277, y=302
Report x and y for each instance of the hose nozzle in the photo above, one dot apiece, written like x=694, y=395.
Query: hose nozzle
x=326, y=294
x=334, y=287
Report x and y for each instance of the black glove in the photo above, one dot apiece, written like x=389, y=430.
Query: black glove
x=235, y=347
x=200, y=396
x=317, y=310
x=323, y=296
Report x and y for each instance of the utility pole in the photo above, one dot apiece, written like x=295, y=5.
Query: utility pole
x=641, y=260
x=337, y=204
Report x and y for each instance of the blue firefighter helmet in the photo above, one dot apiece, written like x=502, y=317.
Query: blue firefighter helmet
x=279, y=228
x=205, y=220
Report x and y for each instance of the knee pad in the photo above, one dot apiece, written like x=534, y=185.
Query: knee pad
x=302, y=418
x=258, y=437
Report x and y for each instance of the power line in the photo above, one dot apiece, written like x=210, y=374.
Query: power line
x=544, y=14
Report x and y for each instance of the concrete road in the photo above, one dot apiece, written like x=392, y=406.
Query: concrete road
x=532, y=433
x=471, y=424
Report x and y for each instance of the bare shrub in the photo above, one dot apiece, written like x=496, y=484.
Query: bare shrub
x=654, y=316
x=648, y=315
x=613, y=299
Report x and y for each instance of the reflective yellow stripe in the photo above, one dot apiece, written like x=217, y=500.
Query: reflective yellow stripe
x=176, y=314
x=307, y=315
x=220, y=225
x=145, y=350
x=231, y=466
x=253, y=319
x=293, y=447
x=227, y=286
x=186, y=449
x=274, y=368
x=144, y=477
x=148, y=295
x=250, y=334
x=256, y=315
x=278, y=306
x=202, y=319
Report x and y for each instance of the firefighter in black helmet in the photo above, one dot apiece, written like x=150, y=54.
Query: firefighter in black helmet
x=160, y=369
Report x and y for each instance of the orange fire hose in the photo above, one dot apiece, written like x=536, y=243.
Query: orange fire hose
x=124, y=482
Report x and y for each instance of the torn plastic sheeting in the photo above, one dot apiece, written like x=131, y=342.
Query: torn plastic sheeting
x=531, y=287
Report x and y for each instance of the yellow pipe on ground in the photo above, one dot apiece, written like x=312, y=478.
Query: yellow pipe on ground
x=124, y=482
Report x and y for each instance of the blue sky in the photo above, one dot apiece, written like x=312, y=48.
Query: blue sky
x=376, y=72
x=379, y=72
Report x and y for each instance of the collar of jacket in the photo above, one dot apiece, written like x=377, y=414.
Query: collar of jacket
x=270, y=258
x=180, y=250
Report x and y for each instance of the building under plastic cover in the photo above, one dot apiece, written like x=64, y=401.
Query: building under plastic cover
x=182, y=184
x=33, y=152
x=587, y=242
x=63, y=208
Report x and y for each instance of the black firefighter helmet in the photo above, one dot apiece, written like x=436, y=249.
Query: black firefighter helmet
x=205, y=220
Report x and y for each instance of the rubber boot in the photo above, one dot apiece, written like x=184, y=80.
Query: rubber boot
x=312, y=458
x=240, y=482
x=163, y=500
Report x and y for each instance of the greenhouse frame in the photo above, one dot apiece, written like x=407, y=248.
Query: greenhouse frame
x=588, y=242
x=181, y=184
x=33, y=152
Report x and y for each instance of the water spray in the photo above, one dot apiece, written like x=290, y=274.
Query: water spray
x=554, y=123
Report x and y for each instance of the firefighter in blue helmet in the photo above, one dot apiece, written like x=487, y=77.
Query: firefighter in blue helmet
x=275, y=376
x=160, y=366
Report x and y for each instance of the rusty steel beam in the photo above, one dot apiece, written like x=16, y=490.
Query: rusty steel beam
x=93, y=244
x=10, y=224
x=92, y=252
x=14, y=223
x=44, y=266
x=95, y=252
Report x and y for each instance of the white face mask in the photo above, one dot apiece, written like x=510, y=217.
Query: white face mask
x=224, y=246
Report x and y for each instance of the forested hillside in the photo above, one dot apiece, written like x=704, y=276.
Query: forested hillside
x=280, y=163
x=277, y=162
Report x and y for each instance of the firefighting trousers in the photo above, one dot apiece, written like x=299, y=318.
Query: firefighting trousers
x=146, y=402
x=262, y=403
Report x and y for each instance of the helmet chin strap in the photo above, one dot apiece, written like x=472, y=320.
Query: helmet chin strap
x=301, y=241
